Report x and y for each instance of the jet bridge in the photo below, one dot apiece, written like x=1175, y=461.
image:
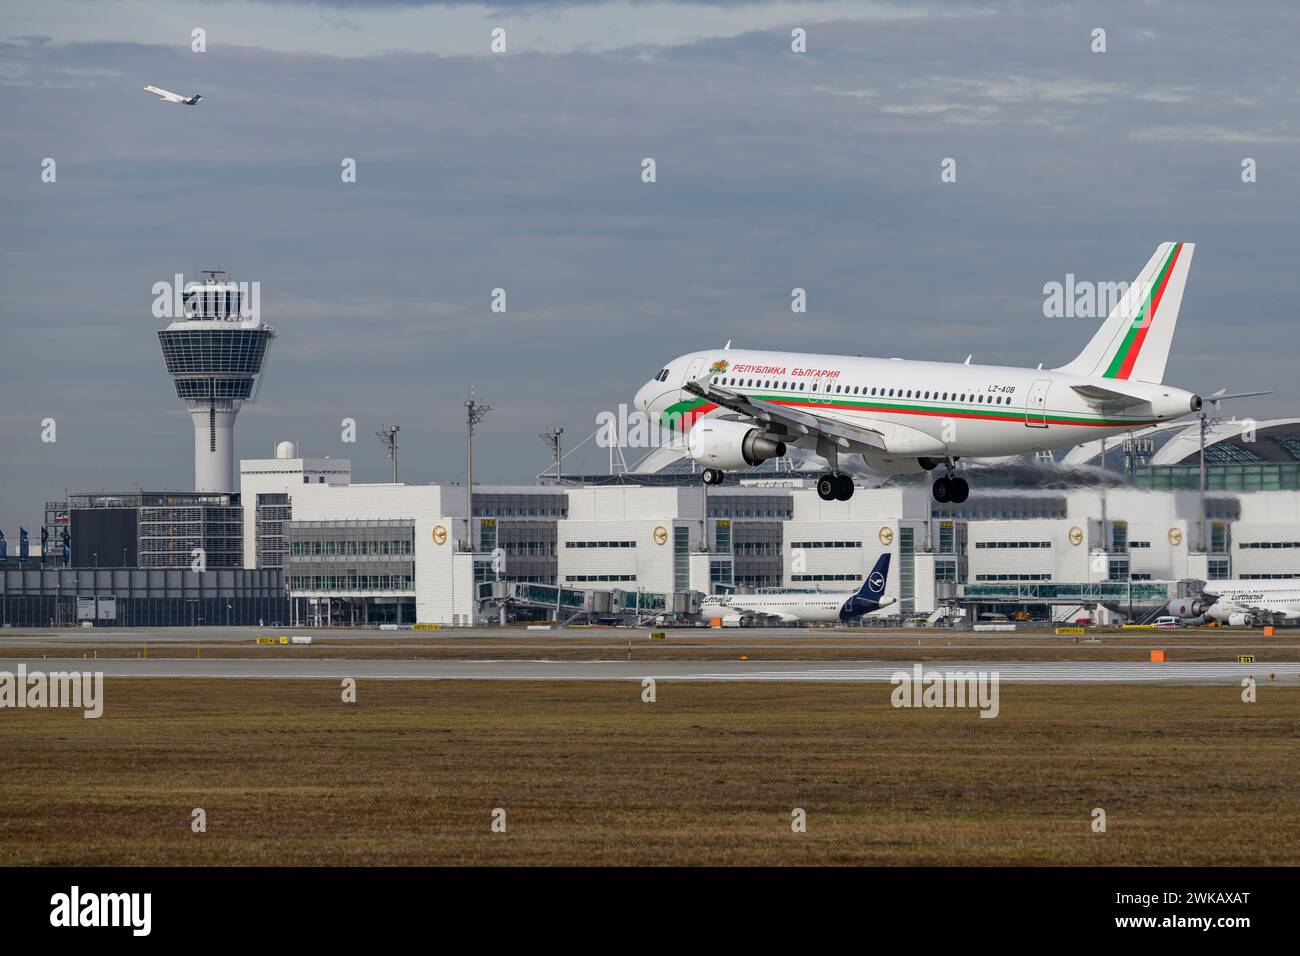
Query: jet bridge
x=1133, y=599
x=568, y=604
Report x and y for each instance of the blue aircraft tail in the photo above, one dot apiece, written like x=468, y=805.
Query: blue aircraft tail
x=873, y=588
x=870, y=595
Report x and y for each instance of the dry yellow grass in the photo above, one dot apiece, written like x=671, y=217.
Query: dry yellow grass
x=588, y=774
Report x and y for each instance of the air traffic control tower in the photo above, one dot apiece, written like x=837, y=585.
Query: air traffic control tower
x=215, y=351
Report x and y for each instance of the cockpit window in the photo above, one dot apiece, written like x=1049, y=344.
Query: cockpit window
x=662, y=376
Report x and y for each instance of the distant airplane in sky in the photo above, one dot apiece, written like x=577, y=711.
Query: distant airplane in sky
x=174, y=97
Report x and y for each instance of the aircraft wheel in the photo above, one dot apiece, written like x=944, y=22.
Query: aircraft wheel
x=827, y=487
x=940, y=489
x=958, y=490
x=712, y=476
x=845, y=489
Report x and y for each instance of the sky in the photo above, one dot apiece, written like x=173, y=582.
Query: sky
x=521, y=170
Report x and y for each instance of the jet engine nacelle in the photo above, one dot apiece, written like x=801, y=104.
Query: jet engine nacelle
x=1186, y=607
x=1226, y=613
x=730, y=446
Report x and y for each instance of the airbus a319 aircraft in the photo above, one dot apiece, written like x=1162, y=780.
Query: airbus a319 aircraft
x=740, y=407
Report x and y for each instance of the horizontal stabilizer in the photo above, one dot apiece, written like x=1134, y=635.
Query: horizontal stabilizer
x=1096, y=395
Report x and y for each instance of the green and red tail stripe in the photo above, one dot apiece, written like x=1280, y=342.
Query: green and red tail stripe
x=1121, y=365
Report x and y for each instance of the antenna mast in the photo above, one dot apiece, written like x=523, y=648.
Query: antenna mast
x=388, y=435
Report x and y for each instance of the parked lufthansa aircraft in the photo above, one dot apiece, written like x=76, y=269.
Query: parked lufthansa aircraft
x=800, y=607
x=739, y=407
x=1243, y=602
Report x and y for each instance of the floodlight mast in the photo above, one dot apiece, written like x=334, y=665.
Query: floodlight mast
x=552, y=438
x=474, y=412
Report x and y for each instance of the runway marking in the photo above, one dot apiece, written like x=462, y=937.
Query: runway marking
x=1064, y=672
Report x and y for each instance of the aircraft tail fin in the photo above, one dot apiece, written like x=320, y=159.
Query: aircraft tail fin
x=1133, y=342
x=873, y=588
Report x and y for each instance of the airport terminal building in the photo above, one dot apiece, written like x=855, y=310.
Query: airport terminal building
x=357, y=551
x=301, y=543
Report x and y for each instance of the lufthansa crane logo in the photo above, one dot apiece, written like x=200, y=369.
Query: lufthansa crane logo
x=439, y=534
x=1076, y=535
x=661, y=535
x=877, y=581
x=886, y=535
x=1175, y=536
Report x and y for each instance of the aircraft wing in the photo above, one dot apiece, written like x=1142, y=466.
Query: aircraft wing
x=878, y=438
x=1270, y=610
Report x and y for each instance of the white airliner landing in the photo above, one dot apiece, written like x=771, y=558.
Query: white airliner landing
x=1243, y=602
x=739, y=407
x=802, y=607
x=175, y=97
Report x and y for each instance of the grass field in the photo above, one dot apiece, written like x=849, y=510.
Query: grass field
x=588, y=774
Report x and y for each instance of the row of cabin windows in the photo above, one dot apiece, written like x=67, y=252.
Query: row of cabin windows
x=879, y=391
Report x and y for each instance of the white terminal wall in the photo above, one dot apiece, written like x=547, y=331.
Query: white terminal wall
x=1272, y=516
x=274, y=476
x=444, y=578
x=1168, y=520
x=872, y=519
x=628, y=514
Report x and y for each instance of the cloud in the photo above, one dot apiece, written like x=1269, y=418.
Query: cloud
x=775, y=170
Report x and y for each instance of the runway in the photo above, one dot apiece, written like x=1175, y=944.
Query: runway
x=1020, y=672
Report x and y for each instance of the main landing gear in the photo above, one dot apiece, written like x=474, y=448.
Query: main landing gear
x=950, y=488
x=835, y=487
x=712, y=476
